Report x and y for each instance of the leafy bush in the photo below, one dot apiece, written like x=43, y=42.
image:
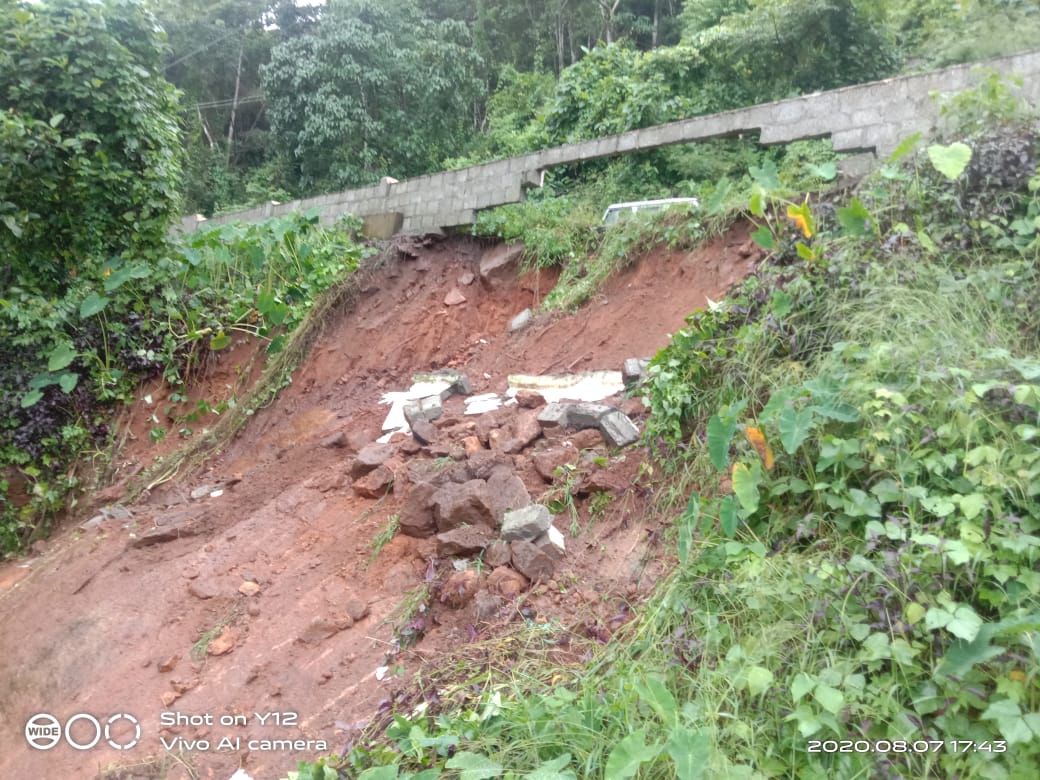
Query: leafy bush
x=89, y=155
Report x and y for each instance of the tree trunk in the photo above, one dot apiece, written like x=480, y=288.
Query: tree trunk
x=657, y=24
x=205, y=127
x=234, y=106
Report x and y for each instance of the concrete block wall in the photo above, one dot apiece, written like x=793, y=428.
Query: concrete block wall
x=869, y=119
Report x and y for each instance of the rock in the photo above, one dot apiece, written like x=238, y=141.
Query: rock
x=248, y=588
x=529, y=399
x=459, y=588
x=527, y=523
x=177, y=529
x=169, y=664
x=356, y=609
x=485, y=424
x=462, y=385
x=487, y=605
x=437, y=472
x=467, y=540
x=547, y=462
x=317, y=630
x=410, y=446
x=253, y=609
x=497, y=553
x=375, y=484
x=633, y=372
x=600, y=480
x=201, y=492
x=482, y=463
x=337, y=440
x=506, y=582
x=466, y=278
x=370, y=457
x=554, y=415
x=507, y=491
x=588, y=439
x=471, y=444
x=416, y=515
x=552, y=543
x=327, y=482
x=470, y=503
x=586, y=415
x=223, y=644
x=93, y=522
x=169, y=697
x=531, y=561
x=498, y=265
x=526, y=428
x=617, y=429
x=454, y=297
x=424, y=431
x=520, y=321
x=203, y=589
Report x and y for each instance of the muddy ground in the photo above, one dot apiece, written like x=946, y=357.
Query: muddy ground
x=276, y=573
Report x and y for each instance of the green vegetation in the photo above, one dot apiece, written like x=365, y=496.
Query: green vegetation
x=849, y=437
x=854, y=434
x=283, y=101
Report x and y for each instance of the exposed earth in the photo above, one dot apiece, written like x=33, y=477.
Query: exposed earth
x=251, y=586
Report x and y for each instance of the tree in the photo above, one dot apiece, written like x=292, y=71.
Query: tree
x=89, y=154
x=373, y=88
x=776, y=48
x=215, y=53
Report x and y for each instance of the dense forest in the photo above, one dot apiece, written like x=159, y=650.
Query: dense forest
x=281, y=99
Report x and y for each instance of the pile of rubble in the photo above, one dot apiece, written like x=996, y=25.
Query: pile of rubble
x=467, y=479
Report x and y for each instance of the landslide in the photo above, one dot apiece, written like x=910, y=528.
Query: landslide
x=249, y=585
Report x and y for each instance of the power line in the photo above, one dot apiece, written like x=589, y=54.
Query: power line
x=207, y=46
x=224, y=103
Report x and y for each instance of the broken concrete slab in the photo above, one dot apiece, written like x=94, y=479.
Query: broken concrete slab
x=554, y=415
x=617, y=429
x=483, y=403
x=456, y=381
x=633, y=371
x=430, y=408
x=528, y=523
x=588, y=386
x=586, y=415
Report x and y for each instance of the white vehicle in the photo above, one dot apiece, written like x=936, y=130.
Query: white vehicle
x=615, y=210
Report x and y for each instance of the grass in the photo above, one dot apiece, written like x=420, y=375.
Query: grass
x=380, y=540
x=201, y=646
